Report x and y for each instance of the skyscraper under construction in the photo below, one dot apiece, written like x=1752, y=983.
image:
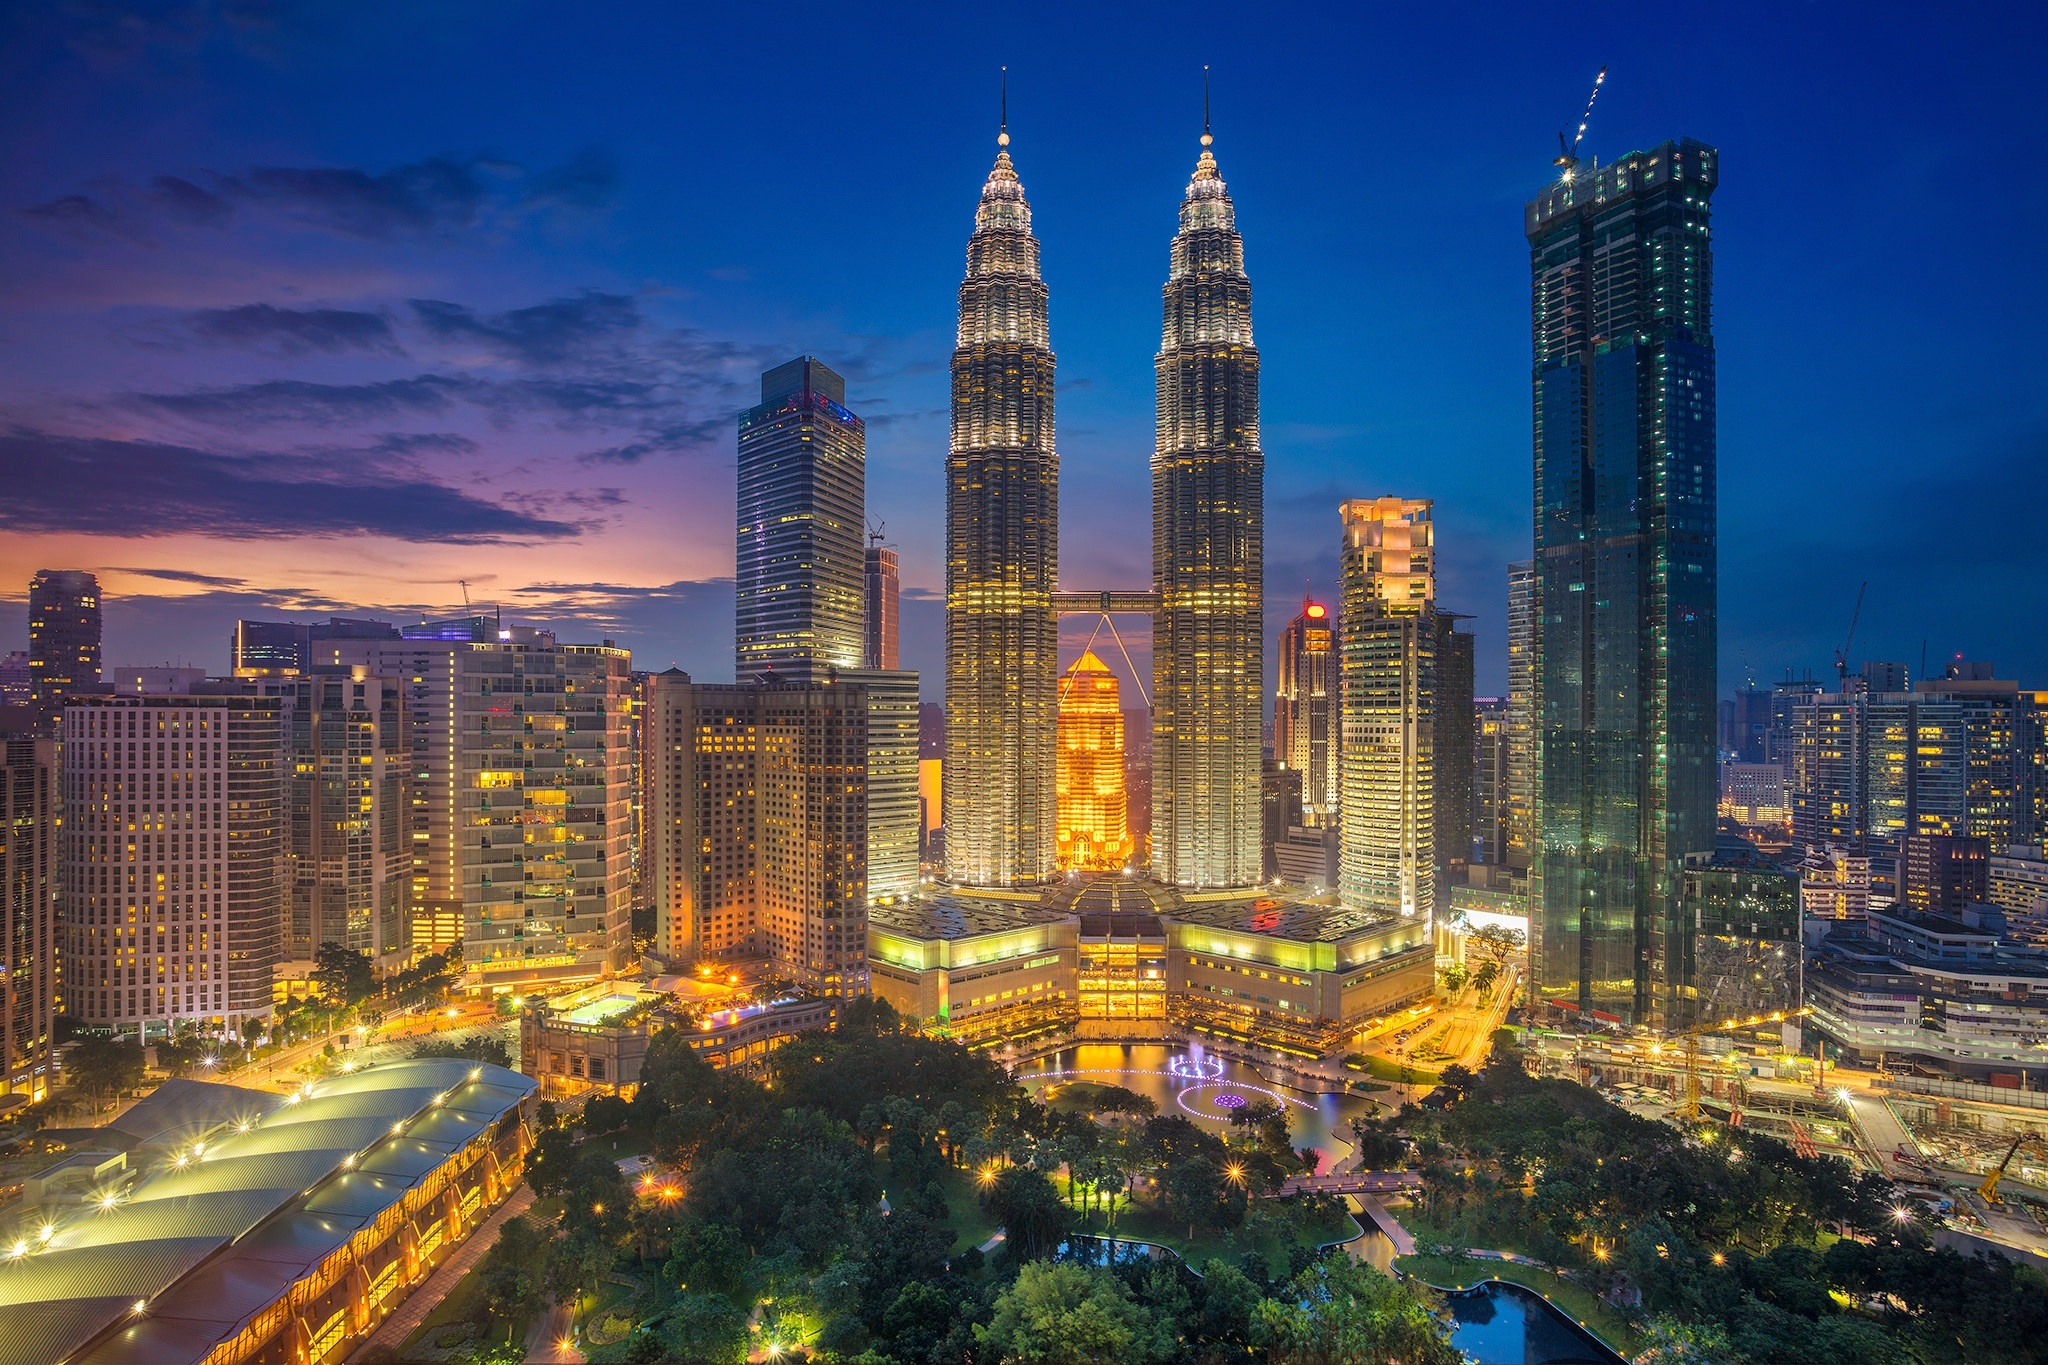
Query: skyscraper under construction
x=1002, y=558
x=1208, y=554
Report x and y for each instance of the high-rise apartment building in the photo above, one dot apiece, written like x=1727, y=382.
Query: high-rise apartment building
x=1094, y=828
x=1490, y=780
x=1834, y=884
x=63, y=640
x=1452, y=752
x=758, y=803
x=521, y=809
x=884, y=593
x=1208, y=554
x=1389, y=654
x=174, y=854
x=1523, y=590
x=349, y=853
x=17, y=686
x=1625, y=465
x=1305, y=710
x=29, y=830
x=1870, y=768
x=1002, y=557
x=799, y=589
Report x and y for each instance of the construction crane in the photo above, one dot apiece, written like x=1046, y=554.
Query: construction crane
x=1568, y=152
x=1989, y=1189
x=1690, y=1039
x=1842, y=654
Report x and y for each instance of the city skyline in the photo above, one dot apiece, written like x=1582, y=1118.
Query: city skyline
x=444, y=367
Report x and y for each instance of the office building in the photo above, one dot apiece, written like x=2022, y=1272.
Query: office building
x=16, y=679
x=63, y=641
x=1945, y=874
x=799, y=579
x=174, y=861
x=1305, y=710
x=884, y=590
x=29, y=853
x=1094, y=825
x=1746, y=725
x=1745, y=914
x=1002, y=557
x=759, y=799
x=1208, y=555
x=1753, y=795
x=2001, y=744
x=1389, y=670
x=1453, y=749
x=1523, y=589
x=288, y=647
x=1490, y=809
x=520, y=797
x=1787, y=696
x=1280, y=807
x=1870, y=768
x=1623, y=378
x=2017, y=884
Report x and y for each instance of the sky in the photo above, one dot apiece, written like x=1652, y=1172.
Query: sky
x=359, y=307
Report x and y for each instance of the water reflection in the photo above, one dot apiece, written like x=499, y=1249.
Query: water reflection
x=1194, y=1080
x=1505, y=1324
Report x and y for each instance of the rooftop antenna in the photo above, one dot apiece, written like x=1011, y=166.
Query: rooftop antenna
x=1206, y=139
x=1568, y=152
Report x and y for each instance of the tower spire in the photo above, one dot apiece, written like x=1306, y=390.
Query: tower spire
x=1003, y=134
x=1206, y=139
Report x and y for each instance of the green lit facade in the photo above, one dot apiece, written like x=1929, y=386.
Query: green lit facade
x=1625, y=568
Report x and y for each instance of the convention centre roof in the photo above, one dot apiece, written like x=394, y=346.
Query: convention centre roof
x=235, y=1195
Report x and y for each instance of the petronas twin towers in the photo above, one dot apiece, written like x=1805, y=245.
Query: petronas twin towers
x=1003, y=599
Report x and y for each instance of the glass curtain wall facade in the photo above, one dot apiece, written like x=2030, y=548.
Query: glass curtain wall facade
x=1522, y=780
x=800, y=571
x=1002, y=557
x=1208, y=555
x=1625, y=465
x=1389, y=653
x=63, y=640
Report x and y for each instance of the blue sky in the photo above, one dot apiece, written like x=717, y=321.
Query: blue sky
x=310, y=308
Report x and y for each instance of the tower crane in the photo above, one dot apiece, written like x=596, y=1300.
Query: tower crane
x=1842, y=654
x=1690, y=1040
x=1989, y=1189
x=1568, y=152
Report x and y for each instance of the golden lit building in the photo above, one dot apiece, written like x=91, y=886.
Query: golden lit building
x=1094, y=823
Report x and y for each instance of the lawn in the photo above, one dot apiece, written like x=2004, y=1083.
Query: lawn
x=1602, y=1319
x=618, y=1146
x=1426, y=1229
x=1387, y=1069
x=462, y=1305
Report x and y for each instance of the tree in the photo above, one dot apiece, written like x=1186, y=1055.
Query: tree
x=1454, y=977
x=1498, y=942
x=101, y=1067
x=705, y=1327
x=1204, y=1194
x=345, y=977
x=1067, y=1314
x=1035, y=1219
x=481, y=1047
x=1339, y=1312
x=512, y=1271
x=606, y=1114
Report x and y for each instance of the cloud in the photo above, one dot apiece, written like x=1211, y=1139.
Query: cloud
x=441, y=196
x=544, y=334
x=422, y=443
x=290, y=331
x=299, y=400
x=93, y=486
x=205, y=580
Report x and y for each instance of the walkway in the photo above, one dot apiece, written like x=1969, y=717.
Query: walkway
x=548, y=1340
x=1881, y=1128
x=393, y=1331
x=1403, y=1240
x=1353, y=1182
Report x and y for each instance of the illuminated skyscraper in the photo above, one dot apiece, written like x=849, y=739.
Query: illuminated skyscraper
x=1304, y=711
x=1002, y=558
x=1520, y=820
x=63, y=640
x=1094, y=828
x=1389, y=652
x=1621, y=267
x=884, y=588
x=29, y=860
x=799, y=578
x=1208, y=554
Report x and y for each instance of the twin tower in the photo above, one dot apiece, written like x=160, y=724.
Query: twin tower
x=1003, y=600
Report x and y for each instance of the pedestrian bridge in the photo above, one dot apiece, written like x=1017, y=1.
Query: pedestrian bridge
x=1354, y=1182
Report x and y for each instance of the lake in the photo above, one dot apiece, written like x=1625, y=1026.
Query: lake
x=1207, y=1087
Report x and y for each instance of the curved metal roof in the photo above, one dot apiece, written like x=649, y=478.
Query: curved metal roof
x=246, y=1214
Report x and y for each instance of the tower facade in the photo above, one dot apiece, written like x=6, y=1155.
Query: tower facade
x=799, y=573
x=1625, y=568
x=1094, y=830
x=29, y=854
x=884, y=591
x=1389, y=653
x=1305, y=711
x=63, y=640
x=1208, y=555
x=1002, y=557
